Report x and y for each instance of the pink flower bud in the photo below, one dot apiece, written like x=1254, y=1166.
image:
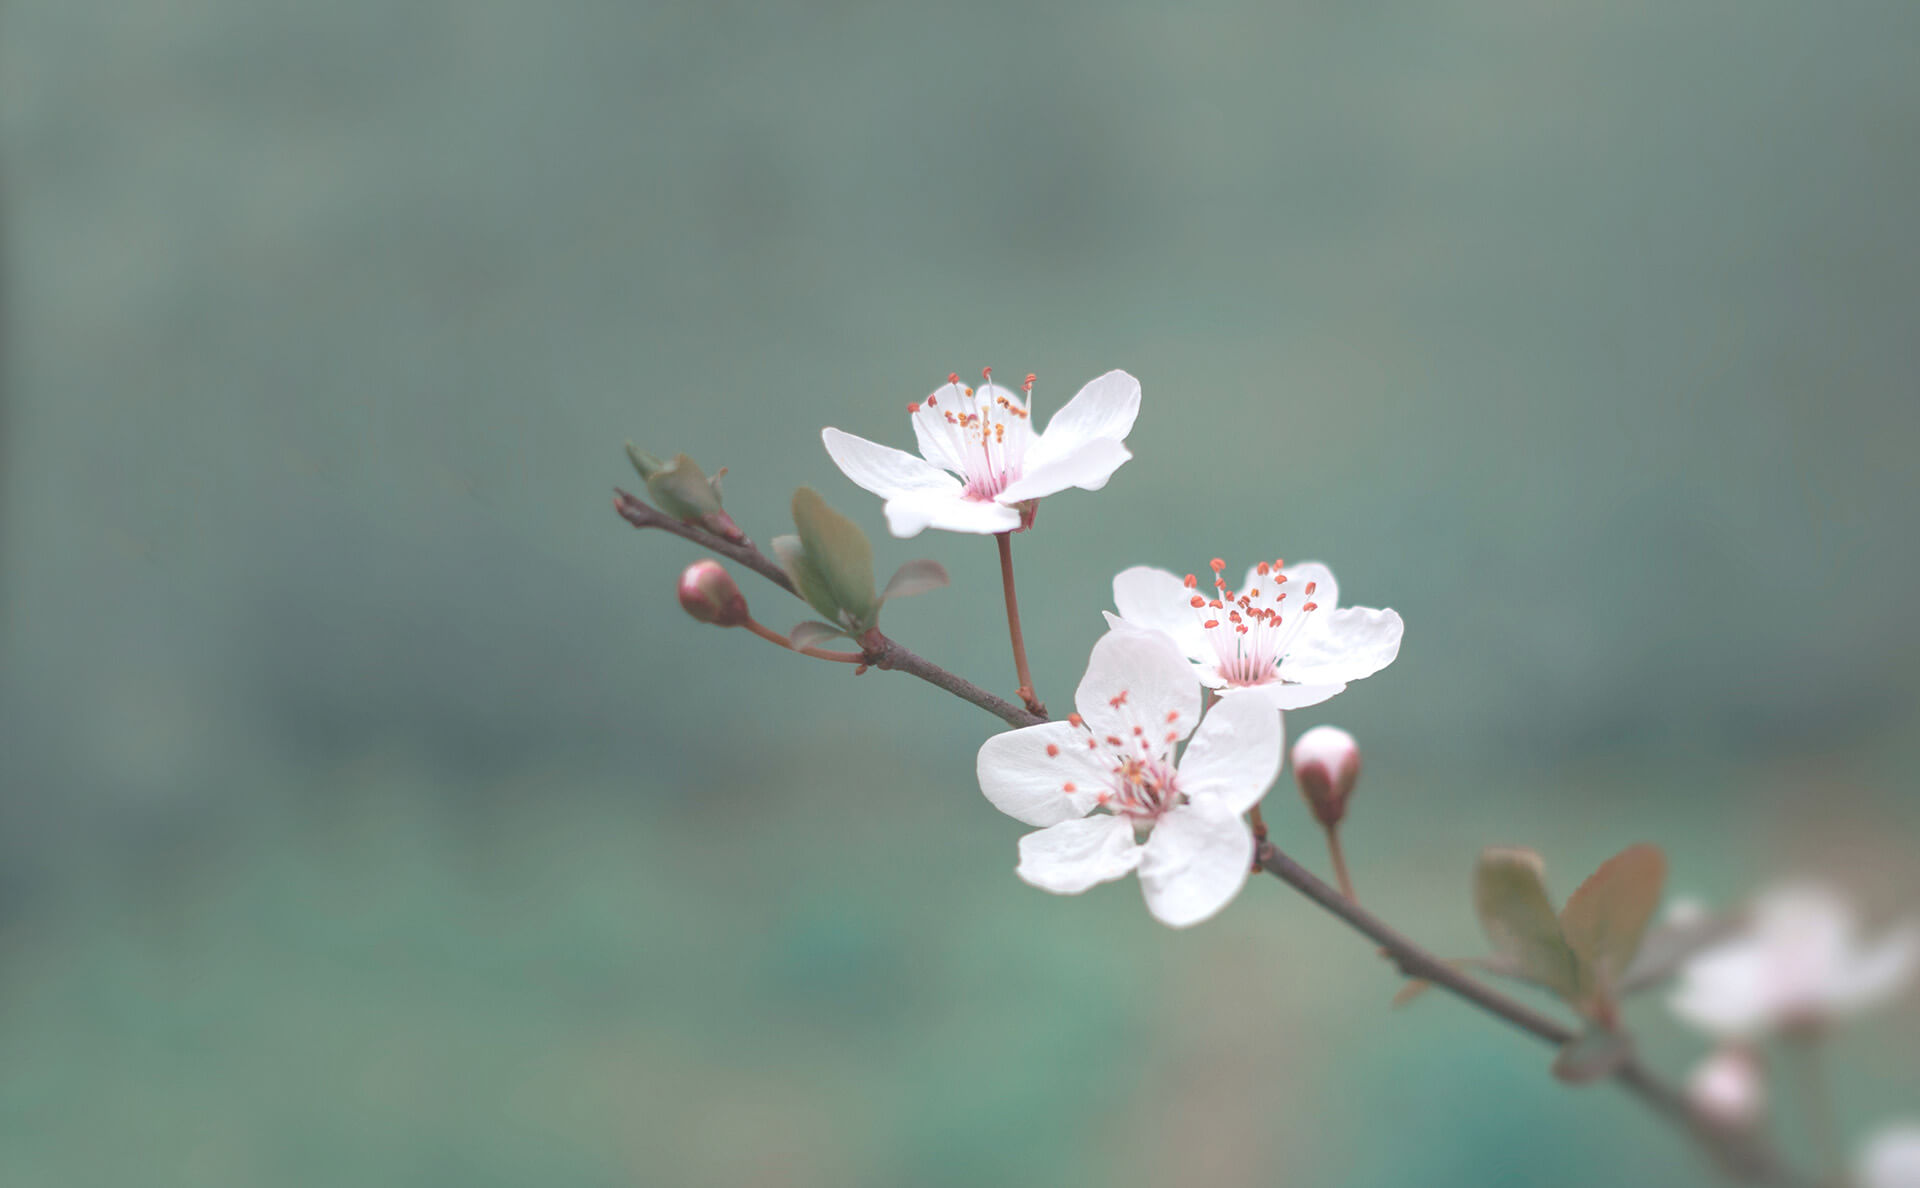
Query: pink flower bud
x=708, y=593
x=1326, y=765
x=1729, y=1088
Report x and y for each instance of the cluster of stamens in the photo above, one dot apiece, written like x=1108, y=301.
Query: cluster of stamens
x=988, y=431
x=1141, y=782
x=1251, y=630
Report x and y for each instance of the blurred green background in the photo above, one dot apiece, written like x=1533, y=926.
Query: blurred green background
x=372, y=816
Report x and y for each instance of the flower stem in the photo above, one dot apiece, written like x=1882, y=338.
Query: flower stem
x=1816, y=1102
x=1339, y=856
x=1013, y=626
x=767, y=633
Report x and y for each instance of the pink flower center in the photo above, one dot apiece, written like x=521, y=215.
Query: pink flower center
x=986, y=430
x=1251, y=630
x=1141, y=782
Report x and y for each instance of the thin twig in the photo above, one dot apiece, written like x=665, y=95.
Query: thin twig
x=1026, y=692
x=878, y=649
x=1746, y=1157
x=774, y=637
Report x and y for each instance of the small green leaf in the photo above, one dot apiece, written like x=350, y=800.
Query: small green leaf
x=915, y=577
x=643, y=463
x=807, y=579
x=1605, y=919
x=841, y=554
x=1592, y=1055
x=1666, y=948
x=682, y=489
x=811, y=634
x=1511, y=899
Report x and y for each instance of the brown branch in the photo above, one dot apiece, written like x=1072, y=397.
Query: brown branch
x=880, y=651
x=1746, y=1157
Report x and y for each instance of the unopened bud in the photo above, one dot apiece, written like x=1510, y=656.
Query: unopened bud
x=708, y=593
x=1326, y=765
x=1729, y=1088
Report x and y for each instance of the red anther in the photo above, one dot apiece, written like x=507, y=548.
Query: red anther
x=1210, y=624
x=1242, y=628
x=1279, y=564
x=953, y=377
x=1029, y=384
x=1190, y=582
x=1173, y=736
x=1233, y=616
x=1217, y=565
x=1197, y=601
x=1216, y=604
x=935, y=399
x=1311, y=606
x=1310, y=588
x=986, y=373
x=1114, y=740
x=1139, y=730
x=1263, y=569
x=1053, y=751
x=1076, y=720
x=1093, y=744
x=1117, y=702
x=1068, y=787
x=913, y=406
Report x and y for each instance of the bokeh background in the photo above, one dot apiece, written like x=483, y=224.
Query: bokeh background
x=370, y=815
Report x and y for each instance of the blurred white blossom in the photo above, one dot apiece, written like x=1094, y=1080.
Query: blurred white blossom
x=1799, y=962
x=1891, y=1158
x=1114, y=759
x=1730, y=1087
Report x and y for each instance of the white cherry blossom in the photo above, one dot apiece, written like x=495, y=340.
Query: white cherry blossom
x=1281, y=636
x=985, y=435
x=1098, y=781
x=1891, y=1158
x=1799, y=962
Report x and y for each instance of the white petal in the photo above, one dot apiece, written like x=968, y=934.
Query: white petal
x=1088, y=468
x=1072, y=856
x=910, y=513
x=1152, y=682
x=1877, y=975
x=885, y=471
x=1195, y=863
x=1279, y=694
x=1158, y=601
x=1343, y=646
x=1326, y=591
x=1235, y=754
x=1026, y=783
x=1892, y=1158
x=1104, y=410
x=939, y=440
